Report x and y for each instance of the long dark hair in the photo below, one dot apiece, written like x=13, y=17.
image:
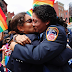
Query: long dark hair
x=46, y=12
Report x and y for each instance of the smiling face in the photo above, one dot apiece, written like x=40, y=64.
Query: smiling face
x=38, y=25
x=27, y=26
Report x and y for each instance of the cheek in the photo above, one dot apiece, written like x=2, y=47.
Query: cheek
x=41, y=26
x=37, y=25
x=27, y=26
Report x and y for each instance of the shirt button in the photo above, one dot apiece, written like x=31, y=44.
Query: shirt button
x=21, y=61
x=16, y=59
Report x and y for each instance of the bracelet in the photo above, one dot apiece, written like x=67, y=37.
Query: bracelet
x=14, y=37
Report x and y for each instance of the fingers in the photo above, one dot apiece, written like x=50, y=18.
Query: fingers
x=21, y=43
x=27, y=40
x=23, y=39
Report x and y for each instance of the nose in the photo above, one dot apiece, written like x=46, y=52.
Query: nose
x=33, y=25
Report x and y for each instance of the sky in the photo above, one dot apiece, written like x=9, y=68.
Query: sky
x=17, y=6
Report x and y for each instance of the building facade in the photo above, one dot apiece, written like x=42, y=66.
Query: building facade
x=66, y=15
x=59, y=8
x=70, y=9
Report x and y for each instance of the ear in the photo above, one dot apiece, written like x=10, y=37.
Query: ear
x=47, y=22
x=19, y=28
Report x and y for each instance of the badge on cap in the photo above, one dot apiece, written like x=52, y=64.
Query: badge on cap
x=52, y=33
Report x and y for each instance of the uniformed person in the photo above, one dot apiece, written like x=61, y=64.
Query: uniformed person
x=54, y=40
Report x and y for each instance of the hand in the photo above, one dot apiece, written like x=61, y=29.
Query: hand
x=23, y=39
x=12, y=45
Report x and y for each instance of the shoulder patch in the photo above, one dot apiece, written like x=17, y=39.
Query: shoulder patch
x=52, y=33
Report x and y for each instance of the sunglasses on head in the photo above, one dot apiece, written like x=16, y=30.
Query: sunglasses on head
x=29, y=21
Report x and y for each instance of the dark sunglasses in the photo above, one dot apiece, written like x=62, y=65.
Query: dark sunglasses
x=29, y=21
